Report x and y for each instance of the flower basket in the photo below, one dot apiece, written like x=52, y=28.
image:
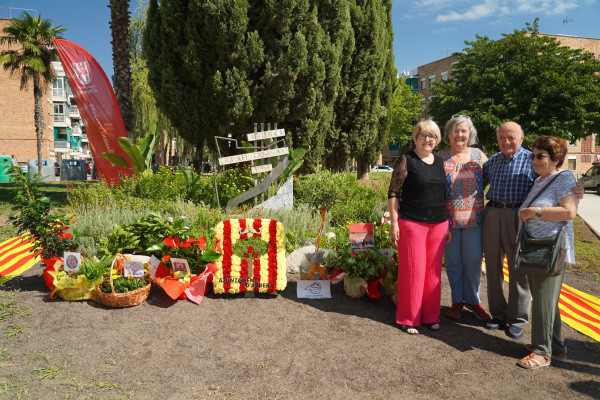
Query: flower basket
x=70, y=288
x=127, y=299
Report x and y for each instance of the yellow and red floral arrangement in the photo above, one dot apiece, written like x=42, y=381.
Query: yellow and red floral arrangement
x=253, y=256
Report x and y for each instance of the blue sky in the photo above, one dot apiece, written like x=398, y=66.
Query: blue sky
x=424, y=30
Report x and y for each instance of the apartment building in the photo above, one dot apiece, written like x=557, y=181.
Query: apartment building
x=581, y=155
x=64, y=135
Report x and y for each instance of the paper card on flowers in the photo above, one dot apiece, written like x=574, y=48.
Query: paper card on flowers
x=153, y=266
x=133, y=268
x=180, y=264
x=72, y=262
x=313, y=289
x=361, y=236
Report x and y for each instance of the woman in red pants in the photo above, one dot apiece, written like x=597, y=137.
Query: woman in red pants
x=419, y=226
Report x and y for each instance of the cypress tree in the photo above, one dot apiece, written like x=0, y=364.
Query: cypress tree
x=362, y=118
x=218, y=66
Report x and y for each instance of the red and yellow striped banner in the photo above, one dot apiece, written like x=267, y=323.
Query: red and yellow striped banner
x=16, y=257
x=579, y=310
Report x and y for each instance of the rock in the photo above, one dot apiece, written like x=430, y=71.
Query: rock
x=283, y=200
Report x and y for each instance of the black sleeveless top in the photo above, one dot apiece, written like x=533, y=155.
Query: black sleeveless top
x=420, y=188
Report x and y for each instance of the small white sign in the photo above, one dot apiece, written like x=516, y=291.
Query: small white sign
x=257, y=155
x=261, y=168
x=153, y=266
x=313, y=289
x=265, y=135
x=72, y=262
x=180, y=264
x=133, y=268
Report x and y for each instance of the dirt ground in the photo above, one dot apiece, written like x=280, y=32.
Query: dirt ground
x=268, y=347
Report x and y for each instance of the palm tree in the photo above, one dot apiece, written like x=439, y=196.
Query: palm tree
x=119, y=25
x=31, y=62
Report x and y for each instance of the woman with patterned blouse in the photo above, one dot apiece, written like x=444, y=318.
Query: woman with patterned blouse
x=419, y=225
x=463, y=166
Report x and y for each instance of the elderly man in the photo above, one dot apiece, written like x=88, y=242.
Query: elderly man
x=510, y=176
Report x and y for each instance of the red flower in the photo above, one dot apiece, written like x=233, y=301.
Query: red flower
x=65, y=235
x=201, y=243
x=171, y=242
x=187, y=243
x=250, y=249
x=255, y=255
x=246, y=255
x=353, y=254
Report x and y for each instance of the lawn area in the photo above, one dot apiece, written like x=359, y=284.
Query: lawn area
x=587, y=245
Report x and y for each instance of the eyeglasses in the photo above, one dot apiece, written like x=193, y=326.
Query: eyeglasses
x=426, y=137
x=539, y=156
x=460, y=116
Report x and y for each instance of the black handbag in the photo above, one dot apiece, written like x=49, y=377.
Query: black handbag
x=544, y=256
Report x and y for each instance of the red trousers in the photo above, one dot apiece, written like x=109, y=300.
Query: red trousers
x=420, y=251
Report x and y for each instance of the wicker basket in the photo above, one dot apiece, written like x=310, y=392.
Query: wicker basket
x=128, y=299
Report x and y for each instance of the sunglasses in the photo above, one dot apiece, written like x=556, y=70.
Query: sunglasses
x=539, y=156
x=460, y=116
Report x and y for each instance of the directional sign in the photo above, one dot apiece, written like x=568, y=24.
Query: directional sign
x=266, y=134
x=253, y=156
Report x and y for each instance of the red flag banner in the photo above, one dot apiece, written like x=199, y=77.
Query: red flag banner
x=97, y=105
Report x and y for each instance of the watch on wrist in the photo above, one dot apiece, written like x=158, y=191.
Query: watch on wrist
x=539, y=212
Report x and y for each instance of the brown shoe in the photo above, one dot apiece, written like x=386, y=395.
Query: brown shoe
x=479, y=312
x=555, y=354
x=454, y=311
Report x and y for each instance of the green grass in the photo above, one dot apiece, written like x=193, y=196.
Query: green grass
x=587, y=249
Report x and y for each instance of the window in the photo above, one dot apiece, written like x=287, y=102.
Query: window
x=58, y=89
x=423, y=84
x=572, y=164
x=58, y=84
x=60, y=133
x=444, y=76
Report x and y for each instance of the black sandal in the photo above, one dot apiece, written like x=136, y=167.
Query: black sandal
x=406, y=328
x=434, y=326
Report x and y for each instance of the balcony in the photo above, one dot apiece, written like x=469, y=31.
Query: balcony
x=76, y=129
x=74, y=113
x=59, y=93
x=84, y=138
x=61, y=145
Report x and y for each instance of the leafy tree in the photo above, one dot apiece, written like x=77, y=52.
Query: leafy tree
x=145, y=112
x=368, y=82
x=119, y=26
x=405, y=109
x=547, y=88
x=218, y=66
x=31, y=60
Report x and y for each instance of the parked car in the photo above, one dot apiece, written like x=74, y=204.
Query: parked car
x=591, y=179
x=56, y=169
x=382, y=168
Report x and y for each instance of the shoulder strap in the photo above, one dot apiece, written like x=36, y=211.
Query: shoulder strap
x=544, y=188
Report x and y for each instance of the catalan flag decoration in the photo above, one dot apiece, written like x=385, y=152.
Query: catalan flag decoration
x=579, y=310
x=16, y=257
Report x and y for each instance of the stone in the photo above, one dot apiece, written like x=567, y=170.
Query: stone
x=283, y=200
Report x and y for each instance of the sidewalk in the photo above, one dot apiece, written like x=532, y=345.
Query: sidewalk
x=589, y=211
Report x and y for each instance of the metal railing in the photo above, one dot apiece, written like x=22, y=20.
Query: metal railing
x=61, y=144
x=58, y=93
x=60, y=118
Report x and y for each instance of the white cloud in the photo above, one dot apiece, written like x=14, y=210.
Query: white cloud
x=474, y=10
